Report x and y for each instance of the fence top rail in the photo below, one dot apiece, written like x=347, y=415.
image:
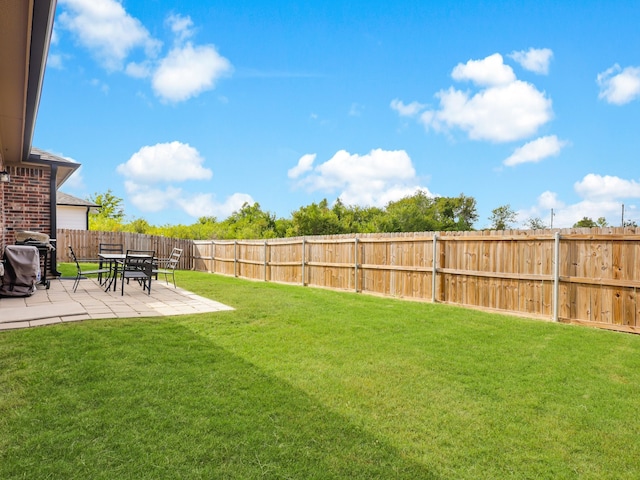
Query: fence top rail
x=286, y=242
x=395, y=239
x=602, y=237
x=495, y=238
x=331, y=240
x=256, y=242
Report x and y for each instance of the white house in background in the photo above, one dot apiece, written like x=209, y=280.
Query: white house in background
x=72, y=212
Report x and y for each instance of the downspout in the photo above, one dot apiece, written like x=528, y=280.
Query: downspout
x=53, y=219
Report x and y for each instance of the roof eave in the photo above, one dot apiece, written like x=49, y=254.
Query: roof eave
x=41, y=28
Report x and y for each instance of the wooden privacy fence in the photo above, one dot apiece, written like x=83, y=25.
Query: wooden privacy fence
x=85, y=245
x=586, y=276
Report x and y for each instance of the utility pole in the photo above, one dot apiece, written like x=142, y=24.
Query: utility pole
x=552, y=218
x=622, y=224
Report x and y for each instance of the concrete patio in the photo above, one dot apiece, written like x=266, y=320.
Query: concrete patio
x=59, y=304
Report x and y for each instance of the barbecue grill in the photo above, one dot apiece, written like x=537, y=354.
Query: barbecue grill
x=43, y=243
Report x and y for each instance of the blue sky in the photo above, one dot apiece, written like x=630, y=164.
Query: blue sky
x=190, y=108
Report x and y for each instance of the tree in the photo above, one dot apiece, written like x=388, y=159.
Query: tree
x=316, y=219
x=584, y=222
x=138, y=225
x=502, y=217
x=535, y=223
x=587, y=222
x=415, y=213
x=110, y=205
x=248, y=222
x=455, y=213
x=355, y=219
x=111, y=214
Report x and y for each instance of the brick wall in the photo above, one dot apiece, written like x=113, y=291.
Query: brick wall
x=2, y=229
x=25, y=202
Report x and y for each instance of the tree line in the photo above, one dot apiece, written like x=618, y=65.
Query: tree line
x=415, y=213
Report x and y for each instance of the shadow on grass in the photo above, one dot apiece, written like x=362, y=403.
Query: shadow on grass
x=151, y=399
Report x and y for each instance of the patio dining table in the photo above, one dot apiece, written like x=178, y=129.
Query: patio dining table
x=114, y=260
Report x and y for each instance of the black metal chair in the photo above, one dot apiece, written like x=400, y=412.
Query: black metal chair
x=108, y=248
x=83, y=274
x=137, y=265
x=168, y=266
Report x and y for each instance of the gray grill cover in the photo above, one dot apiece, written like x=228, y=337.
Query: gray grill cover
x=21, y=271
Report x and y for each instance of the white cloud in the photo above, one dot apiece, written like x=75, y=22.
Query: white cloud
x=182, y=27
x=594, y=186
x=536, y=150
x=150, y=199
x=601, y=196
x=139, y=69
x=410, y=110
x=535, y=59
x=373, y=179
x=542, y=210
x=500, y=114
x=112, y=35
x=188, y=71
x=168, y=162
x=105, y=28
x=55, y=61
x=565, y=216
x=503, y=109
x=305, y=163
x=549, y=200
x=205, y=204
x=489, y=71
x=619, y=86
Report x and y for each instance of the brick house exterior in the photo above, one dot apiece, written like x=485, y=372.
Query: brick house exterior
x=29, y=199
x=23, y=202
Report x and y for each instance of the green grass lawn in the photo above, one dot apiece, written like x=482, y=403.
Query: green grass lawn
x=306, y=383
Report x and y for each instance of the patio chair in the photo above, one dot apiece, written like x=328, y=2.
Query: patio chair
x=137, y=265
x=108, y=248
x=83, y=274
x=168, y=266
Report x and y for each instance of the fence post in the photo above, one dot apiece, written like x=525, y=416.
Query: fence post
x=355, y=262
x=235, y=258
x=556, y=276
x=265, y=260
x=304, y=249
x=213, y=256
x=435, y=267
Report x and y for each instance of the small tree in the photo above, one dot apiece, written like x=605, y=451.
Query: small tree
x=111, y=214
x=587, y=222
x=535, y=223
x=502, y=217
